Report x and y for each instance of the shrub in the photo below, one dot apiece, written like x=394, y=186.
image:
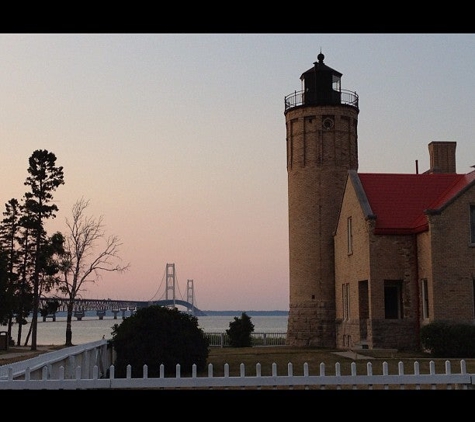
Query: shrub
x=157, y=335
x=240, y=330
x=448, y=340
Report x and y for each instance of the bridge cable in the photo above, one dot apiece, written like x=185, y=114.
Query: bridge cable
x=161, y=283
x=178, y=285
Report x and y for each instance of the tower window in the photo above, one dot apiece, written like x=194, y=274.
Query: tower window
x=336, y=83
x=328, y=123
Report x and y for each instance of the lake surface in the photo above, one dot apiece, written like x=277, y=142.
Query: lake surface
x=91, y=328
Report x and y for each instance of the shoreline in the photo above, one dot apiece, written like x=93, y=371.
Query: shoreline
x=20, y=353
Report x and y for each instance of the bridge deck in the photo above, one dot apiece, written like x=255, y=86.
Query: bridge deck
x=119, y=305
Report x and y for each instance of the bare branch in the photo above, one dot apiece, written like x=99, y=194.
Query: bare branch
x=82, y=263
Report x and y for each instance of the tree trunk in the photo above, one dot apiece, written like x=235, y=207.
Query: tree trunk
x=34, y=319
x=69, y=331
x=28, y=336
x=20, y=326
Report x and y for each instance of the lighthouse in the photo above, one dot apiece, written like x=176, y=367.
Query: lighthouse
x=322, y=145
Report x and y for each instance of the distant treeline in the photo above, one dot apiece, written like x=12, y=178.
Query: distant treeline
x=249, y=313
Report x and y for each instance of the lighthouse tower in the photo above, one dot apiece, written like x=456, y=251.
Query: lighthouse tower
x=322, y=145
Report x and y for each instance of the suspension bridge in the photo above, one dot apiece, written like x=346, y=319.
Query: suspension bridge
x=168, y=298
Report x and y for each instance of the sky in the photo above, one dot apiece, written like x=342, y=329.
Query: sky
x=178, y=141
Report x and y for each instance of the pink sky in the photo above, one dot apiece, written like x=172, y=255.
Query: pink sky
x=178, y=140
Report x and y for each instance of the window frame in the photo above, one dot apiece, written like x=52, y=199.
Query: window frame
x=473, y=297
x=349, y=235
x=472, y=224
x=425, y=298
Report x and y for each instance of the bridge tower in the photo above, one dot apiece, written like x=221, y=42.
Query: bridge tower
x=170, y=283
x=321, y=136
x=190, y=295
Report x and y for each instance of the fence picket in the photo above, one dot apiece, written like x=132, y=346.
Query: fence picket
x=55, y=371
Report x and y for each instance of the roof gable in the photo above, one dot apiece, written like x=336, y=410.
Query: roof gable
x=399, y=201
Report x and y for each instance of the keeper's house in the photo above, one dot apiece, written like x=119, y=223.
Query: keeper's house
x=404, y=253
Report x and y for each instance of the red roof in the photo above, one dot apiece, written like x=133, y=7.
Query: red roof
x=399, y=200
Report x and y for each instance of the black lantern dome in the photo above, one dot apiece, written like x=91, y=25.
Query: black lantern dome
x=321, y=84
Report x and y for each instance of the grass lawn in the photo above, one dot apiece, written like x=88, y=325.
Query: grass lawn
x=283, y=355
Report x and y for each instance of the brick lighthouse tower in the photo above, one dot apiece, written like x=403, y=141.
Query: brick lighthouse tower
x=322, y=145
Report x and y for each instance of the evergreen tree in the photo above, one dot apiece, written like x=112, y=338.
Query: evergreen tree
x=24, y=304
x=9, y=229
x=51, y=253
x=240, y=330
x=44, y=178
x=6, y=298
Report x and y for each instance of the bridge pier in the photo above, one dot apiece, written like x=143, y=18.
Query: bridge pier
x=101, y=313
x=123, y=310
x=79, y=315
x=115, y=312
x=53, y=316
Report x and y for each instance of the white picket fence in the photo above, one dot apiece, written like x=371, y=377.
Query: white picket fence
x=64, y=373
x=86, y=356
x=257, y=339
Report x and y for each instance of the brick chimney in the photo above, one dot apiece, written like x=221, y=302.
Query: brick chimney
x=442, y=157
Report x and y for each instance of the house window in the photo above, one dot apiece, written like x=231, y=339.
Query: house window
x=345, y=291
x=349, y=231
x=363, y=299
x=392, y=299
x=363, y=304
x=472, y=224
x=473, y=296
x=425, y=299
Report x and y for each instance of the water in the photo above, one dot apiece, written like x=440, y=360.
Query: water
x=91, y=328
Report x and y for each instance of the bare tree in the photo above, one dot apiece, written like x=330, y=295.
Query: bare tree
x=84, y=259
